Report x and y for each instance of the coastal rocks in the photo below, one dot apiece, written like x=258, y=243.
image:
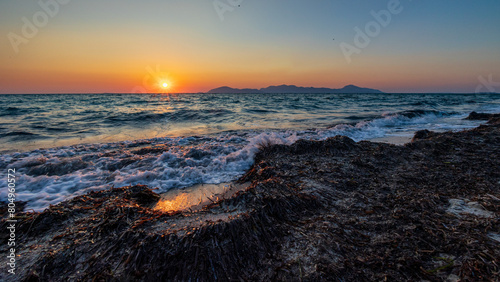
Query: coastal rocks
x=332, y=210
x=422, y=134
x=481, y=116
x=494, y=121
x=142, y=196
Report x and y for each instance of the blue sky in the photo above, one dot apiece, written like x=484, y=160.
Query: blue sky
x=105, y=46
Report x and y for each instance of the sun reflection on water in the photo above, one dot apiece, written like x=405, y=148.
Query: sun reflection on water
x=196, y=197
x=180, y=202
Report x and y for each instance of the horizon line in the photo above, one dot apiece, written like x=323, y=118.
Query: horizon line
x=170, y=93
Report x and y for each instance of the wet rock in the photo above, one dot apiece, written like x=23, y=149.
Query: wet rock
x=422, y=134
x=494, y=121
x=315, y=211
x=143, y=196
x=481, y=116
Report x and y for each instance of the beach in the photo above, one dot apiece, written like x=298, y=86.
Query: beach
x=331, y=210
x=66, y=145
x=233, y=140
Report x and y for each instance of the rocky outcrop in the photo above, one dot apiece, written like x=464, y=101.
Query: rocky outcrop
x=315, y=210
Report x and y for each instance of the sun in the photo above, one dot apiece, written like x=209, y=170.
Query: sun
x=164, y=85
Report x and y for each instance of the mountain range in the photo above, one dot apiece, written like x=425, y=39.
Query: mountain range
x=293, y=89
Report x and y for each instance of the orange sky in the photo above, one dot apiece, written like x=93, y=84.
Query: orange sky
x=94, y=47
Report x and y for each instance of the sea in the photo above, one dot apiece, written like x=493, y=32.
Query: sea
x=65, y=145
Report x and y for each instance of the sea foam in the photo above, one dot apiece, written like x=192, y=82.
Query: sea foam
x=49, y=176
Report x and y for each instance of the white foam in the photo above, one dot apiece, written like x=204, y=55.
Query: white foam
x=187, y=162
x=75, y=170
x=392, y=124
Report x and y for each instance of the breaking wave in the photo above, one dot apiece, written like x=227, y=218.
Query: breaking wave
x=49, y=176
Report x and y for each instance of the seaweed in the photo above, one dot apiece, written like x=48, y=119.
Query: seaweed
x=332, y=210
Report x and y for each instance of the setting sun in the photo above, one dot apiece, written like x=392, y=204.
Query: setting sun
x=165, y=85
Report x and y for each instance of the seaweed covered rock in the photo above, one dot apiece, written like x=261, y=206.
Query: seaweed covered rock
x=422, y=134
x=332, y=210
x=481, y=116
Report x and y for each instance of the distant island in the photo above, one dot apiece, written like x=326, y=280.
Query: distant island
x=293, y=89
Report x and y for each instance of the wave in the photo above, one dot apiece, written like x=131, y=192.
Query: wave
x=20, y=135
x=419, y=113
x=409, y=121
x=48, y=176
x=51, y=175
x=134, y=117
x=13, y=111
x=259, y=110
x=178, y=115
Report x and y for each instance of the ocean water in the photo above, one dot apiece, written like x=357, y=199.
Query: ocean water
x=64, y=145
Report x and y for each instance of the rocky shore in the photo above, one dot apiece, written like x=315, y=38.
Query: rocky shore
x=332, y=210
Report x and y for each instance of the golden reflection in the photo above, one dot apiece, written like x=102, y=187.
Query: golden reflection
x=196, y=197
x=180, y=202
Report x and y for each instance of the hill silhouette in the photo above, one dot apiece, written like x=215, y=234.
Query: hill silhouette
x=293, y=89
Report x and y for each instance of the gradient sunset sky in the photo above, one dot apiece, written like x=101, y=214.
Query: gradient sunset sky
x=96, y=46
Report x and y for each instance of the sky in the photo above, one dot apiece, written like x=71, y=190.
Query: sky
x=129, y=46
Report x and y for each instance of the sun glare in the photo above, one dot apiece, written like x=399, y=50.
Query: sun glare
x=165, y=85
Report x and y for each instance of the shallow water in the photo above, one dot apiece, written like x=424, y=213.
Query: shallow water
x=197, y=197
x=34, y=121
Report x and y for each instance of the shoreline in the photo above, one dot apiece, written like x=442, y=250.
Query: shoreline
x=315, y=210
x=395, y=140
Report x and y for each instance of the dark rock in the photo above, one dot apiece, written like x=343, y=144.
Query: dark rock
x=422, y=134
x=494, y=120
x=481, y=116
x=143, y=196
x=315, y=211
